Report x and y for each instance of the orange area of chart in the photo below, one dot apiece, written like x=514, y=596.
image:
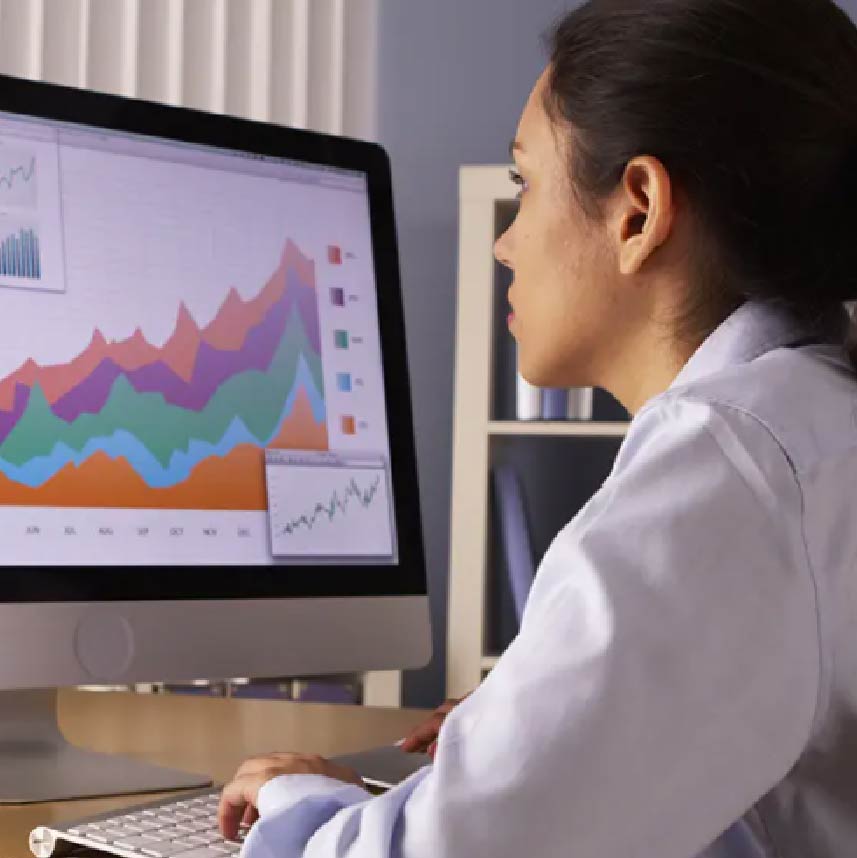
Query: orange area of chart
x=234, y=481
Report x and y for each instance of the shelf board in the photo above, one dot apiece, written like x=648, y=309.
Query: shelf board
x=577, y=428
x=488, y=661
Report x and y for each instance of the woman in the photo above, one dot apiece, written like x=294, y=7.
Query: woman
x=685, y=678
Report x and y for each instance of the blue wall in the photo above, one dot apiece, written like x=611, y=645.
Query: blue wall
x=453, y=78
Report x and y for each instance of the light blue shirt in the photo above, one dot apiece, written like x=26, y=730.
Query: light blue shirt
x=685, y=679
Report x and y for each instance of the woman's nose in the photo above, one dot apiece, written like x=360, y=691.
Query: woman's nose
x=501, y=252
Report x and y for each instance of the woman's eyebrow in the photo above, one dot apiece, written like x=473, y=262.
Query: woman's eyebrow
x=515, y=146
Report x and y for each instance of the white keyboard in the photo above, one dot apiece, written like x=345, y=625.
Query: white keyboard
x=185, y=827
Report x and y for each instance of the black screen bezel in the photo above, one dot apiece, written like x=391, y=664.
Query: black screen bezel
x=98, y=583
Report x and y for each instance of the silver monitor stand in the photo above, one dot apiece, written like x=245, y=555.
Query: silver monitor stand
x=38, y=764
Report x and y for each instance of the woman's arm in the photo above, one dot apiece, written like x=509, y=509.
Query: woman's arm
x=664, y=679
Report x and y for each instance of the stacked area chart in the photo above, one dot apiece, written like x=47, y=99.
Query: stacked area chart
x=181, y=425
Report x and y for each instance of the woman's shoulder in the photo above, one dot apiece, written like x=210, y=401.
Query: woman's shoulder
x=802, y=401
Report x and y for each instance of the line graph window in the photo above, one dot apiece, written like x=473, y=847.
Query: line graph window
x=324, y=505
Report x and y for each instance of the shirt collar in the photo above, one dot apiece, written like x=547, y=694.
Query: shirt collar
x=752, y=330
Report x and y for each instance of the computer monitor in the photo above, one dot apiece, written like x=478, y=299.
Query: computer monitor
x=207, y=460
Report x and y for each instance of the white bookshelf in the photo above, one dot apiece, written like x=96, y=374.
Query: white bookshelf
x=485, y=196
x=557, y=428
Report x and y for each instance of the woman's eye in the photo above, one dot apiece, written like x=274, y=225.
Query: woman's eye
x=518, y=179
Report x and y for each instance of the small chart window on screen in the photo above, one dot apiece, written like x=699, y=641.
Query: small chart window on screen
x=324, y=505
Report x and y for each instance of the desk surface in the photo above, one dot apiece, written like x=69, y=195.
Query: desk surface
x=207, y=735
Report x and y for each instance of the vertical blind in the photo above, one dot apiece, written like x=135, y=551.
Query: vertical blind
x=307, y=63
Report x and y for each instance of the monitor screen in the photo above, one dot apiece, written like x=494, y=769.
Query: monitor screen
x=190, y=356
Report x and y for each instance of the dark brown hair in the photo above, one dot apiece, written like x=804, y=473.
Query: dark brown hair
x=751, y=105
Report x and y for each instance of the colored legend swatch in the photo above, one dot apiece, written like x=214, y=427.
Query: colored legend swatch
x=337, y=296
x=343, y=382
x=349, y=426
x=334, y=254
x=341, y=339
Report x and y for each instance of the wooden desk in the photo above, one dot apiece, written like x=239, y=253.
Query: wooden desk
x=207, y=735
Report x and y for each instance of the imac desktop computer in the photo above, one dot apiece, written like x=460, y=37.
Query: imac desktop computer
x=207, y=461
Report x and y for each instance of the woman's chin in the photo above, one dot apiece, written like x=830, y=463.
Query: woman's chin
x=549, y=376
x=539, y=378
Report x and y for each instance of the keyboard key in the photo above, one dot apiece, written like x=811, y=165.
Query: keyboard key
x=152, y=836
x=118, y=832
x=97, y=836
x=202, y=852
x=210, y=836
x=133, y=843
x=174, y=833
x=206, y=839
x=165, y=850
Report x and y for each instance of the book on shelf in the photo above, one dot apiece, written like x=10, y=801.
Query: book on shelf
x=514, y=535
x=552, y=403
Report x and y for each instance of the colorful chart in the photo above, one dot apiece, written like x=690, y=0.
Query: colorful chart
x=177, y=426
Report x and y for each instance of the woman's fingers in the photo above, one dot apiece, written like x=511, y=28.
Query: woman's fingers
x=250, y=816
x=423, y=735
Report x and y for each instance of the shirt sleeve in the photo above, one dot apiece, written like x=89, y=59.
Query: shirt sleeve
x=664, y=679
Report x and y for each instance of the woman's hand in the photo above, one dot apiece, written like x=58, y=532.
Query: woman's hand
x=423, y=738
x=240, y=797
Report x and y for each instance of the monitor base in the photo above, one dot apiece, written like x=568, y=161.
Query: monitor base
x=38, y=764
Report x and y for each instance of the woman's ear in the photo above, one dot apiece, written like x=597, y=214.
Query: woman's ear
x=644, y=216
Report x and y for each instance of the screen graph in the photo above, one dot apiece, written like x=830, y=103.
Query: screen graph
x=20, y=255
x=18, y=183
x=180, y=426
x=328, y=507
x=168, y=318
